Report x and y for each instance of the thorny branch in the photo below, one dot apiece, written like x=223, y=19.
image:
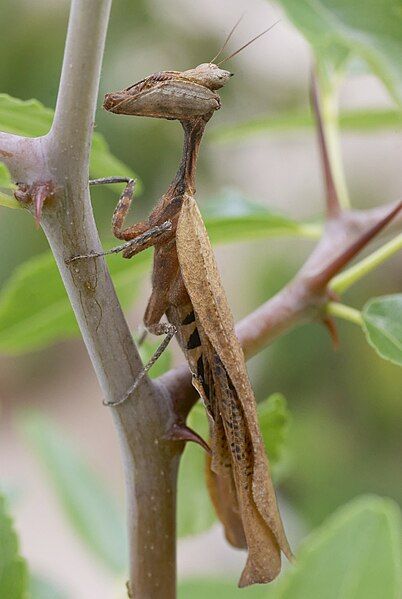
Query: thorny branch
x=60, y=159
x=53, y=171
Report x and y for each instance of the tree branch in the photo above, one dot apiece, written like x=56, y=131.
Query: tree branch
x=58, y=163
x=70, y=137
x=22, y=156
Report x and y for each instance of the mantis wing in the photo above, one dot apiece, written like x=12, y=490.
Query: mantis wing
x=261, y=520
x=167, y=99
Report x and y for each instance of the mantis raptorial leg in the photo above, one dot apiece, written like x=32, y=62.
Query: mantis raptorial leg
x=139, y=236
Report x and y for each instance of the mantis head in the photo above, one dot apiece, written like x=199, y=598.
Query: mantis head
x=209, y=75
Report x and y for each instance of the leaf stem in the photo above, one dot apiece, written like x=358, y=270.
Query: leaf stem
x=330, y=115
x=8, y=201
x=346, y=279
x=344, y=312
x=310, y=230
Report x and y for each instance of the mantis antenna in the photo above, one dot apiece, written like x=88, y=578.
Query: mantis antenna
x=247, y=44
x=225, y=43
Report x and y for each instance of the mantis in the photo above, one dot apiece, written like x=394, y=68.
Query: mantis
x=186, y=288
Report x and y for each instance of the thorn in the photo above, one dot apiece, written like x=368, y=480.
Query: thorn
x=36, y=193
x=332, y=330
x=333, y=205
x=39, y=197
x=320, y=281
x=181, y=432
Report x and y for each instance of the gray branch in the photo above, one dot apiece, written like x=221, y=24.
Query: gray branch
x=22, y=156
x=62, y=157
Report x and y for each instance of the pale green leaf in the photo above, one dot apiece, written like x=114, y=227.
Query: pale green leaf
x=13, y=568
x=382, y=318
x=370, y=30
x=8, y=201
x=231, y=217
x=6, y=197
x=273, y=417
x=92, y=512
x=354, y=554
x=104, y=164
x=5, y=179
x=361, y=121
x=24, y=117
x=34, y=308
x=31, y=119
x=195, y=512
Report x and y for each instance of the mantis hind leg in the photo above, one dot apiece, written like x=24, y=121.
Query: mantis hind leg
x=154, y=312
x=169, y=331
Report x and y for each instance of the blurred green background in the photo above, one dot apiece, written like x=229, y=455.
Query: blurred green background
x=346, y=409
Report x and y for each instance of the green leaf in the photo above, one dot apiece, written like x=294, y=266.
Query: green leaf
x=382, y=318
x=354, y=554
x=219, y=589
x=24, y=117
x=231, y=217
x=104, y=164
x=13, y=568
x=5, y=179
x=31, y=119
x=274, y=418
x=372, y=31
x=41, y=588
x=34, y=308
x=195, y=512
x=356, y=120
x=6, y=197
x=8, y=201
x=91, y=510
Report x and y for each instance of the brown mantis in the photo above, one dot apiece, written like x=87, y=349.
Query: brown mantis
x=186, y=288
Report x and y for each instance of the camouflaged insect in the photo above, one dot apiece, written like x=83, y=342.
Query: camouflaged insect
x=171, y=94
x=186, y=288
